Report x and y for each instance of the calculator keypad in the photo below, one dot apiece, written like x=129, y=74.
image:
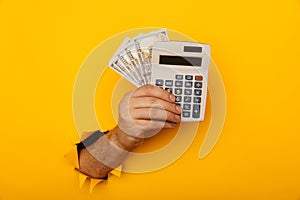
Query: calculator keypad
x=187, y=90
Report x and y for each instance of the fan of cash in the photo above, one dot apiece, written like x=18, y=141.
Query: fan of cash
x=132, y=60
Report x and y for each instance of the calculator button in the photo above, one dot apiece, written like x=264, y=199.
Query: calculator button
x=159, y=82
x=178, y=99
x=179, y=77
x=186, y=106
x=188, y=84
x=188, y=77
x=178, y=91
x=196, y=111
x=178, y=83
x=197, y=99
x=178, y=104
x=186, y=114
x=198, y=78
x=197, y=92
x=198, y=84
x=169, y=83
x=187, y=99
x=169, y=90
x=188, y=91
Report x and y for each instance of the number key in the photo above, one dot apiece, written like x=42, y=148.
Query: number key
x=178, y=83
x=178, y=91
x=169, y=90
x=186, y=114
x=187, y=99
x=178, y=99
x=186, y=106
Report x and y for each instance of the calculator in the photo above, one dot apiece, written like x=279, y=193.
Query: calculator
x=181, y=68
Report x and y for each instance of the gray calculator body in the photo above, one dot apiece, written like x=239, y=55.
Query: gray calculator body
x=182, y=69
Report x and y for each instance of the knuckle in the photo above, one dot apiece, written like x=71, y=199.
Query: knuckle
x=142, y=123
x=132, y=113
x=153, y=113
x=147, y=89
x=153, y=101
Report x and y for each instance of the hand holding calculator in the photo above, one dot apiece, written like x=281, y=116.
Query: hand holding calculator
x=178, y=67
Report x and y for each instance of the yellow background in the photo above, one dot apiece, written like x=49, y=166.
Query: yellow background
x=256, y=46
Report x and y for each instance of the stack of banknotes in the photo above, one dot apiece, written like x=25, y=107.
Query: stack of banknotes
x=132, y=60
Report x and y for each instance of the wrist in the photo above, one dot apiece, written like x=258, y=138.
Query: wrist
x=126, y=141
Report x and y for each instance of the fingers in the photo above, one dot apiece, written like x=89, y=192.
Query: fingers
x=156, y=114
x=152, y=102
x=153, y=91
x=145, y=111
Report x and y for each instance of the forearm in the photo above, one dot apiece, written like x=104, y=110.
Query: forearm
x=106, y=153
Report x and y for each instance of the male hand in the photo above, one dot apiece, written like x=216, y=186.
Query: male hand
x=145, y=111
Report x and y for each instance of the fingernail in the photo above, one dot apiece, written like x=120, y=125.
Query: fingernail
x=173, y=124
x=178, y=108
x=172, y=97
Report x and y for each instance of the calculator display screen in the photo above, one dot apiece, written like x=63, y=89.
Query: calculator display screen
x=179, y=60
